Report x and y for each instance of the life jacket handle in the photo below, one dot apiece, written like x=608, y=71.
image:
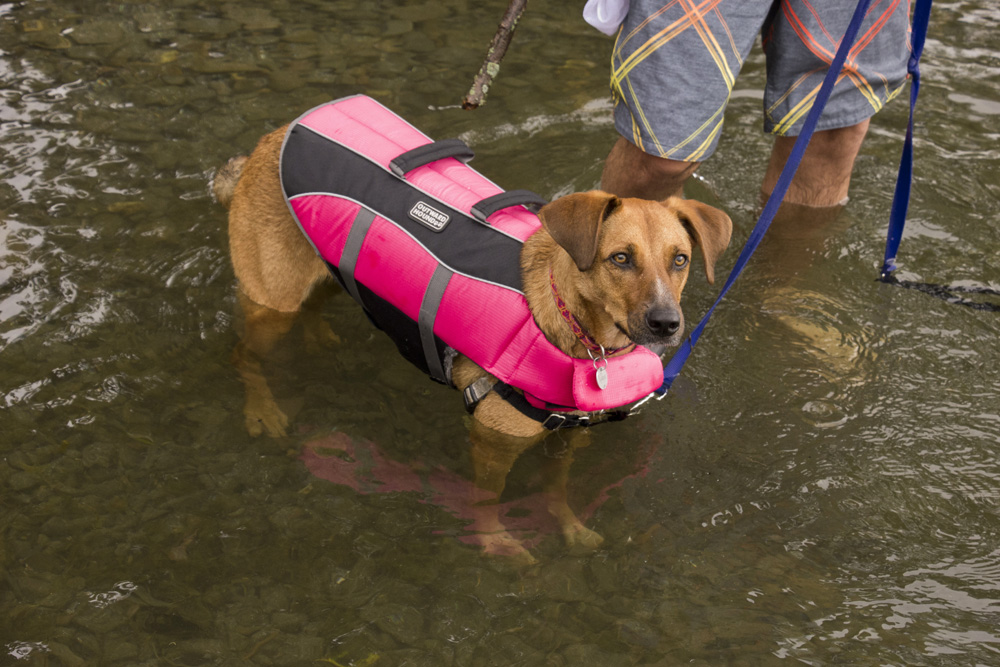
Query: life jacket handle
x=432, y=152
x=491, y=205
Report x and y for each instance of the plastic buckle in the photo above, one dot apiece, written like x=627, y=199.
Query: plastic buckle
x=554, y=421
x=475, y=392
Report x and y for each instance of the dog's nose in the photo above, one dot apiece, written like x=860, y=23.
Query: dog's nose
x=663, y=321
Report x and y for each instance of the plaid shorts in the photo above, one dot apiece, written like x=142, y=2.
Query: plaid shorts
x=675, y=63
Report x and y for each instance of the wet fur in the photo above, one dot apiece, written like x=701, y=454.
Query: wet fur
x=582, y=238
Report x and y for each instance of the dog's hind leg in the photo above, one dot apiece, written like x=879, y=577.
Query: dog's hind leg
x=275, y=265
x=317, y=332
x=262, y=328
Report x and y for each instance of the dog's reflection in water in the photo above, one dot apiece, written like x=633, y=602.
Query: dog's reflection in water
x=506, y=527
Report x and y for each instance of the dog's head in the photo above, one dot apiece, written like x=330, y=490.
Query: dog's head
x=634, y=256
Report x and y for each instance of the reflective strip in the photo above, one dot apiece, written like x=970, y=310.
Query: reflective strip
x=352, y=248
x=428, y=313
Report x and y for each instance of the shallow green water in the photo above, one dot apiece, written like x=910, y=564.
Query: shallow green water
x=822, y=486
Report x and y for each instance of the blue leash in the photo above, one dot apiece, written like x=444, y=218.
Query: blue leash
x=673, y=367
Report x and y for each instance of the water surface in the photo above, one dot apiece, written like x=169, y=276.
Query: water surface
x=822, y=486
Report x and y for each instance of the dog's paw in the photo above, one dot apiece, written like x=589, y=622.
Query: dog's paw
x=265, y=417
x=503, y=545
x=580, y=538
x=318, y=335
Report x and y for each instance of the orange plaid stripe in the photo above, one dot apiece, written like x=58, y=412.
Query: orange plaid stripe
x=826, y=54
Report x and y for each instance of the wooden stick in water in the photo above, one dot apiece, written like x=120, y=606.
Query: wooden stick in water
x=498, y=47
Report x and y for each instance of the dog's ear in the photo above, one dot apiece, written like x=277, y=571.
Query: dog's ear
x=710, y=229
x=574, y=222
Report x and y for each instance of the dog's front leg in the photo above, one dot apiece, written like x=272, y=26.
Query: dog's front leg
x=493, y=455
x=262, y=329
x=555, y=475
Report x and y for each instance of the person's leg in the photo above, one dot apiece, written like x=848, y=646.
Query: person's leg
x=812, y=205
x=824, y=175
x=673, y=68
x=631, y=172
x=800, y=39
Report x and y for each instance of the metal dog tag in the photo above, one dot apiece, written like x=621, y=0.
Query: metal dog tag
x=602, y=377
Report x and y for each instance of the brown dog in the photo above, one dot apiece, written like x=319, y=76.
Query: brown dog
x=619, y=264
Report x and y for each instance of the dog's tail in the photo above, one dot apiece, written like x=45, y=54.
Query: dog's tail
x=225, y=179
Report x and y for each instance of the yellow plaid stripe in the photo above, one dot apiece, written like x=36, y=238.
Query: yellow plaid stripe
x=633, y=70
x=693, y=18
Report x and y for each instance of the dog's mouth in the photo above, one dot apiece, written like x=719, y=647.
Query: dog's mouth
x=628, y=334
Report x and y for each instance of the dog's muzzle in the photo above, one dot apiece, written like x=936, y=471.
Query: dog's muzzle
x=657, y=326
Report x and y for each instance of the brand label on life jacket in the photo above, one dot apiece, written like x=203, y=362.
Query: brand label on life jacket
x=429, y=216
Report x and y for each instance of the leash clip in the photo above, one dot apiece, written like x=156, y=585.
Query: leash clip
x=634, y=409
x=556, y=421
x=888, y=267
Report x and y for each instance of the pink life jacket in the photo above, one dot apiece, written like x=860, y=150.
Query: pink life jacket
x=431, y=249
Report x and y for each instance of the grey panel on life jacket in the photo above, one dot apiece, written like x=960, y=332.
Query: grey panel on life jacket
x=428, y=313
x=352, y=249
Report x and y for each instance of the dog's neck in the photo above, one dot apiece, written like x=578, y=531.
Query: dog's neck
x=595, y=349
x=543, y=257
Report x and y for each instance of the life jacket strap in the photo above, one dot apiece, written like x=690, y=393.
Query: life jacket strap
x=549, y=420
x=476, y=392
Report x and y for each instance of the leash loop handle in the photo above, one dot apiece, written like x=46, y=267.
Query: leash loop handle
x=948, y=293
x=432, y=152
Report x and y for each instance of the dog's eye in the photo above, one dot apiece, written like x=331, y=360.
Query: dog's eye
x=680, y=261
x=621, y=258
